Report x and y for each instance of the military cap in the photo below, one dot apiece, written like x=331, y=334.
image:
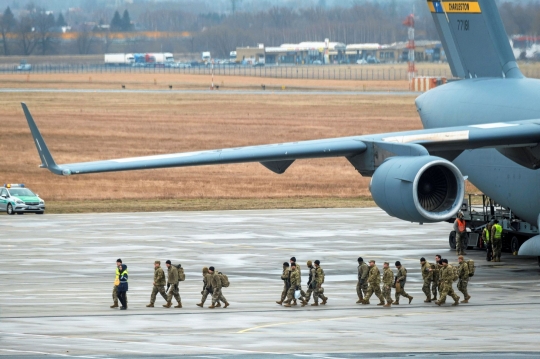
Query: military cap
x=118, y=260
x=285, y=264
x=211, y=268
x=168, y=261
x=293, y=259
x=309, y=263
x=398, y=263
x=317, y=262
x=360, y=259
x=445, y=261
x=157, y=262
x=422, y=259
x=293, y=264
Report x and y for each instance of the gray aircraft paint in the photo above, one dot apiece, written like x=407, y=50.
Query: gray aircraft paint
x=488, y=124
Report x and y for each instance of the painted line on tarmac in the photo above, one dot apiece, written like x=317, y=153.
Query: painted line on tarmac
x=57, y=354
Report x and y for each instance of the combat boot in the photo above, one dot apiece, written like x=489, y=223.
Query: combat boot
x=428, y=300
x=179, y=305
x=168, y=305
x=388, y=304
x=434, y=298
x=200, y=305
x=288, y=305
x=280, y=302
x=294, y=302
x=212, y=306
x=218, y=305
x=396, y=302
x=438, y=303
x=324, y=301
x=226, y=305
x=359, y=301
x=151, y=305
x=410, y=299
x=115, y=305
x=456, y=302
x=315, y=304
x=365, y=301
x=464, y=301
x=381, y=302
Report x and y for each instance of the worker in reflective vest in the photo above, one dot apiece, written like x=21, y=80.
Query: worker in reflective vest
x=460, y=228
x=486, y=237
x=496, y=237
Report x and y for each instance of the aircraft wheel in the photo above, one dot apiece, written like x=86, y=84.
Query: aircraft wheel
x=452, y=240
x=10, y=210
x=514, y=245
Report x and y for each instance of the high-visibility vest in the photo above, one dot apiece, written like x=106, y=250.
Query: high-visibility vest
x=498, y=231
x=461, y=225
x=486, y=234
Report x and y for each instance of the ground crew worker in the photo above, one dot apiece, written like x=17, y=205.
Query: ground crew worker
x=123, y=286
x=362, y=285
x=447, y=278
x=216, y=286
x=401, y=278
x=486, y=237
x=496, y=237
x=435, y=269
x=388, y=280
x=427, y=276
x=295, y=285
x=320, y=280
x=460, y=228
x=285, y=277
x=206, y=290
x=374, y=281
x=116, y=284
x=312, y=285
x=293, y=260
x=463, y=274
x=159, y=284
x=172, y=286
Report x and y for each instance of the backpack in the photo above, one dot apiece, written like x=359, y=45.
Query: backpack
x=224, y=280
x=472, y=268
x=181, y=274
x=322, y=275
x=455, y=273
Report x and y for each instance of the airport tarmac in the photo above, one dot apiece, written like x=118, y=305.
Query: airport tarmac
x=57, y=273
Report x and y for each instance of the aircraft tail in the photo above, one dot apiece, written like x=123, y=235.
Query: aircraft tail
x=474, y=39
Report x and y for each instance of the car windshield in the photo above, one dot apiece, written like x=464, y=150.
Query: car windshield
x=21, y=192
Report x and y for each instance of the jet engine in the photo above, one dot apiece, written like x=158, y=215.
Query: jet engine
x=422, y=189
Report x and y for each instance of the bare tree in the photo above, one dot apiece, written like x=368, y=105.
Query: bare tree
x=27, y=35
x=7, y=24
x=44, y=24
x=85, y=40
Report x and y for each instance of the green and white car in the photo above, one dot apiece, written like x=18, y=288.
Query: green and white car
x=15, y=198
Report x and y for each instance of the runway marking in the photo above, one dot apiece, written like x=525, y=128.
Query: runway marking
x=57, y=354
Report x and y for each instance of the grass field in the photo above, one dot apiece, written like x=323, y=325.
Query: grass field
x=94, y=126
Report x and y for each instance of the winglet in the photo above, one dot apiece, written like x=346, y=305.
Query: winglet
x=47, y=160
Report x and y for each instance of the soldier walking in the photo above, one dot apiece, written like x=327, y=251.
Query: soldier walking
x=206, y=289
x=374, y=281
x=293, y=260
x=447, y=278
x=460, y=228
x=116, y=284
x=312, y=285
x=427, y=276
x=285, y=277
x=463, y=274
x=388, y=280
x=320, y=281
x=362, y=285
x=435, y=269
x=401, y=279
x=295, y=285
x=172, y=286
x=216, y=287
x=159, y=284
x=496, y=237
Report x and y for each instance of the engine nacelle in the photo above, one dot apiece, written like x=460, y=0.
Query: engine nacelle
x=422, y=189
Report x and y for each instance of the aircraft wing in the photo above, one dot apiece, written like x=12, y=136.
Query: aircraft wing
x=359, y=150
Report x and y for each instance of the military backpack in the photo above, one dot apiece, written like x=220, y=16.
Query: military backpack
x=224, y=280
x=321, y=275
x=455, y=273
x=181, y=274
x=472, y=268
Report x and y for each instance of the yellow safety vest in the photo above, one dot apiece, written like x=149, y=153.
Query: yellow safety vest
x=486, y=234
x=498, y=231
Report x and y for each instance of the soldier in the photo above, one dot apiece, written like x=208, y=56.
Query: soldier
x=496, y=238
x=320, y=280
x=486, y=237
x=293, y=260
x=312, y=285
x=295, y=285
x=116, y=284
x=460, y=228
x=401, y=279
x=159, y=284
x=374, y=280
x=285, y=277
x=206, y=290
x=216, y=286
x=362, y=285
x=427, y=276
x=447, y=278
x=172, y=286
x=463, y=274
x=388, y=280
x=436, y=270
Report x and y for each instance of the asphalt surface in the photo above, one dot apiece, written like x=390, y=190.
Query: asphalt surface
x=57, y=272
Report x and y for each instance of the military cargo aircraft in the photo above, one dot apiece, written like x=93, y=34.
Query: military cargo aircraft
x=486, y=127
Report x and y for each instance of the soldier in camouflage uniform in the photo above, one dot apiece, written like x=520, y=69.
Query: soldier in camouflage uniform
x=374, y=280
x=312, y=285
x=159, y=284
x=435, y=269
x=320, y=280
x=447, y=278
x=172, y=286
x=285, y=277
x=401, y=277
x=206, y=279
x=215, y=285
x=293, y=260
x=463, y=274
x=362, y=285
x=388, y=280
x=427, y=276
x=295, y=285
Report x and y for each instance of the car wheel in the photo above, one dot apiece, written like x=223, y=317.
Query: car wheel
x=452, y=240
x=514, y=244
x=39, y=212
x=10, y=210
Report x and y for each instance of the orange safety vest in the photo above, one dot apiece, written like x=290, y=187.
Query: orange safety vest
x=461, y=225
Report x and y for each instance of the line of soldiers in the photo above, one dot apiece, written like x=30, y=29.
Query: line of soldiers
x=292, y=284
x=437, y=277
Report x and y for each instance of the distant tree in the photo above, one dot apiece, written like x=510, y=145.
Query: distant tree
x=7, y=24
x=116, y=22
x=44, y=24
x=85, y=40
x=27, y=35
x=60, y=21
x=126, y=22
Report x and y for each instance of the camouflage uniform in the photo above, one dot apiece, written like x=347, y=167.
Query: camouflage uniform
x=207, y=278
x=401, y=277
x=312, y=285
x=215, y=285
x=115, y=289
x=159, y=285
x=319, y=291
x=295, y=284
x=286, y=283
x=435, y=269
x=447, y=278
x=427, y=276
x=300, y=283
x=173, y=285
x=463, y=274
x=388, y=280
x=362, y=284
x=374, y=280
